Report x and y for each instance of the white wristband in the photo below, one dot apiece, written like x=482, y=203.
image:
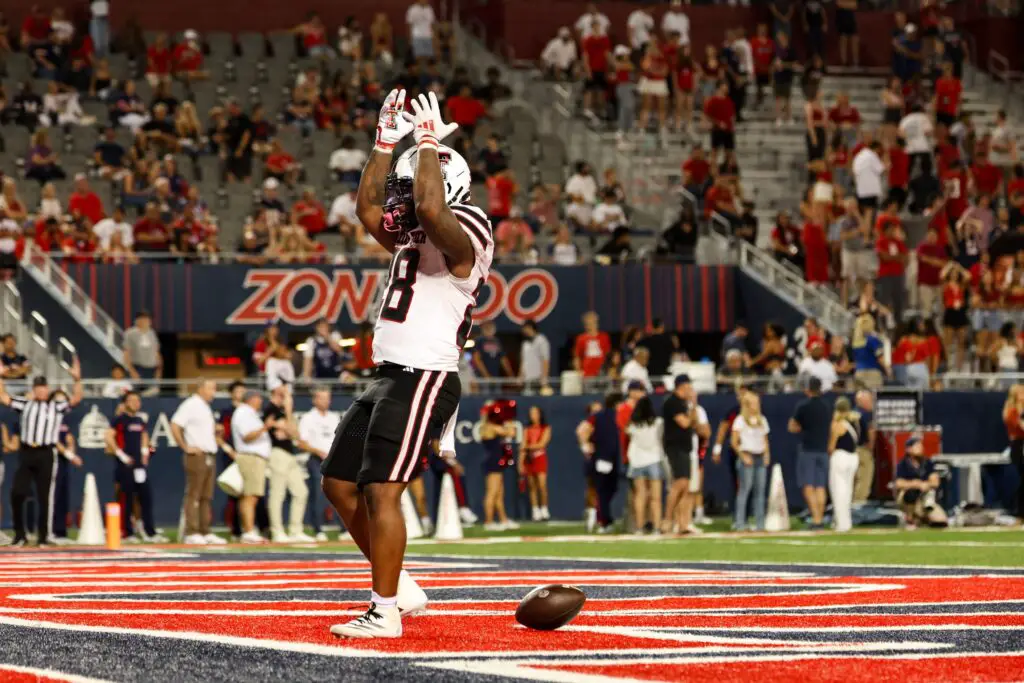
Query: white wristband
x=384, y=147
x=122, y=456
x=717, y=450
x=427, y=141
x=68, y=455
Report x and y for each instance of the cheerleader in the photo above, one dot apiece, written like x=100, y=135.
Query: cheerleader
x=687, y=74
x=843, y=463
x=533, y=463
x=497, y=432
x=653, y=86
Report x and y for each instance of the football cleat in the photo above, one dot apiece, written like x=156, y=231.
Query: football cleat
x=412, y=600
x=214, y=539
x=376, y=623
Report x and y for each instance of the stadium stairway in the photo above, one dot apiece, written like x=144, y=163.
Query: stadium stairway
x=33, y=332
x=87, y=329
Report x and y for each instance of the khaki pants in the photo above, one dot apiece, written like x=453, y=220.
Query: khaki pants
x=865, y=478
x=286, y=476
x=929, y=299
x=200, y=473
x=870, y=379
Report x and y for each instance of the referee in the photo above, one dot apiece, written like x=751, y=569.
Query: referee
x=41, y=418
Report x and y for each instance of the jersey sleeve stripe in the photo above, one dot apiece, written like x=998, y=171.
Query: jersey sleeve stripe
x=475, y=213
x=471, y=225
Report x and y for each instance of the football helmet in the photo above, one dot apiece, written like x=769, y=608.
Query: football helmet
x=399, y=207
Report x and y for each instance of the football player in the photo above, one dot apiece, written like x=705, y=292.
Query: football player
x=418, y=209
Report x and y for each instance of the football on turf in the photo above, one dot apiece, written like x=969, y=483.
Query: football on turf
x=549, y=607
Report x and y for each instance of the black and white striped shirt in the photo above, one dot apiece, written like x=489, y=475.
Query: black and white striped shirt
x=40, y=420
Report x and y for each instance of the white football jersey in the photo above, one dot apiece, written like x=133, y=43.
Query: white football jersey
x=426, y=313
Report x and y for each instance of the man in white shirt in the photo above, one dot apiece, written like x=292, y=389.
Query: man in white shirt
x=1001, y=145
x=342, y=216
x=675, y=20
x=916, y=129
x=195, y=431
x=582, y=185
x=316, y=433
x=420, y=18
x=868, y=170
x=635, y=370
x=585, y=24
x=608, y=215
x=559, y=55
x=817, y=365
x=347, y=161
x=639, y=24
x=534, y=358
x=115, y=223
x=251, y=436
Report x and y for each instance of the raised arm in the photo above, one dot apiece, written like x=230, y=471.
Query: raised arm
x=391, y=128
x=439, y=223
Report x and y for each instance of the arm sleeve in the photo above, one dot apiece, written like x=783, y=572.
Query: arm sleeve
x=474, y=223
x=180, y=415
x=18, y=404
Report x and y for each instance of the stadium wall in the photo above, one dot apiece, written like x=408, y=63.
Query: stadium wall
x=233, y=298
x=971, y=424
x=520, y=28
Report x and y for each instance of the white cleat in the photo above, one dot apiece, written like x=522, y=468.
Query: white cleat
x=321, y=537
x=428, y=526
x=509, y=525
x=156, y=538
x=376, y=623
x=301, y=537
x=493, y=526
x=195, y=539
x=278, y=537
x=468, y=517
x=411, y=598
x=214, y=539
x=252, y=538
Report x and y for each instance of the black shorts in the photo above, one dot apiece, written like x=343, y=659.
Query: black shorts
x=846, y=22
x=598, y=81
x=678, y=462
x=945, y=119
x=867, y=203
x=239, y=167
x=723, y=139
x=383, y=433
x=763, y=80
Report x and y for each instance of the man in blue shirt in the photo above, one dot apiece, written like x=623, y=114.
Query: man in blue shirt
x=128, y=440
x=489, y=359
x=812, y=420
x=916, y=484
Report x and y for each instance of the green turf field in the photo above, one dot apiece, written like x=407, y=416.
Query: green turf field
x=949, y=547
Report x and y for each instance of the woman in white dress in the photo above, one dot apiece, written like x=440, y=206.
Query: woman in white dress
x=842, y=465
x=750, y=432
x=645, y=454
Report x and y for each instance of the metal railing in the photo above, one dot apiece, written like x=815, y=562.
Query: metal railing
x=32, y=335
x=41, y=267
x=786, y=282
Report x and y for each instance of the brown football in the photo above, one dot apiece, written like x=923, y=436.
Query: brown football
x=546, y=608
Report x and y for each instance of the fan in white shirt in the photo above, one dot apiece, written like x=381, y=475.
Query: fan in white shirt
x=867, y=173
x=585, y=24
x=317, y=427
x=608, y=215
x=347, y=158
x=560, y=53
x=343, y=210
x=420, y=18
x=640, y=24
x=916, y=129
x=115, y=223
x=582, y=184
x=675, y=21
x=635, y=370
x=817, y=365
x=279, y=368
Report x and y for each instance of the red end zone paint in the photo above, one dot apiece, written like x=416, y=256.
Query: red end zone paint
x=689, y=623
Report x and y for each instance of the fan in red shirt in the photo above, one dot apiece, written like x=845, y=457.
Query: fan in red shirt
x=899, y=172
x=309, y=213
x=763, y=49
x=931, y=258
x=947, y=96
x=720, y=198
x=465, y=110
x=188, y=57
x=591, y=348
x=721, y=115
x=696, y=171
x=85, y=201
x=890, y=247
x=1015, y=188
x=501, y=188
x=844, y=116
x=986, y=177
x=596, y=49
x=158, y=60
x=954, y=186
x=80, y=244
x=938, y=221
x=280, y=164
x=816, y=250
x=313, y=34
x=150, y=233
x=36, y=27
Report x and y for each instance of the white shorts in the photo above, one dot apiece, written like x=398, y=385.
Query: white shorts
x=653, y=87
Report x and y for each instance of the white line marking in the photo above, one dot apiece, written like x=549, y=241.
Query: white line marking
x=49, y=673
